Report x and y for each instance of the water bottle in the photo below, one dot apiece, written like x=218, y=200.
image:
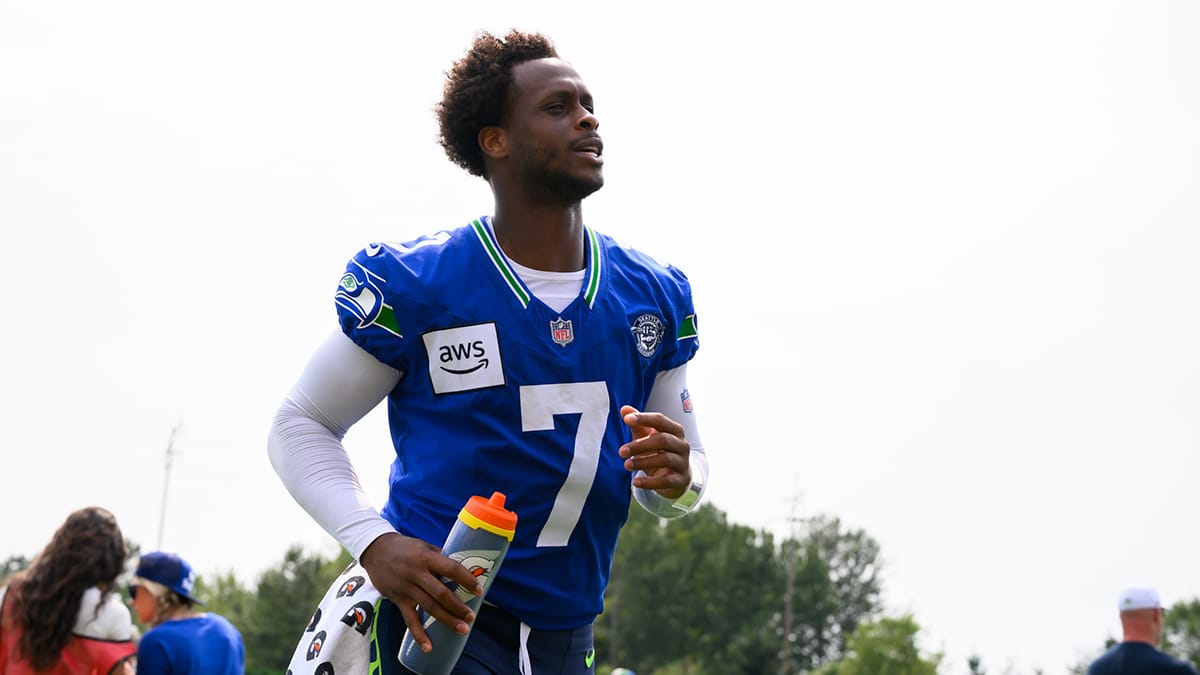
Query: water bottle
x=479, y=540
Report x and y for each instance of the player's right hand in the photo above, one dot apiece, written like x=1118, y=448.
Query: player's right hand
x=409, y=572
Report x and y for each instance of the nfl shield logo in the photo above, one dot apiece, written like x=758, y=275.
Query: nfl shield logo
x=561, y=331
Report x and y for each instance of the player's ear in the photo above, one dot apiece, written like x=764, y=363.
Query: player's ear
x=493, y=143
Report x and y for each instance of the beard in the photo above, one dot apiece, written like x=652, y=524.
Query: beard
x=558, y=182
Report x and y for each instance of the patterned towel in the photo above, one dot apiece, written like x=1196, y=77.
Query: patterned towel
x=352, y=628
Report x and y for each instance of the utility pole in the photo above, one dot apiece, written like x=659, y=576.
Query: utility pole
x=790, y=551
x=162, y=513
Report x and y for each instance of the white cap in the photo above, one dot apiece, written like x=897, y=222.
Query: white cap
x=1138, y=598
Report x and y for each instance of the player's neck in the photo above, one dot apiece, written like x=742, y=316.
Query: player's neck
x=1145, y=637
x=177, y=613
x=541, y=238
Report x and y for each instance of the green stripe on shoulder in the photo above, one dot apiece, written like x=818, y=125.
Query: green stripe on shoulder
x=387, y=320
x=687, y=328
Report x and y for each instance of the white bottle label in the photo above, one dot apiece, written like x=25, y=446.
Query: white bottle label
x=480, y=564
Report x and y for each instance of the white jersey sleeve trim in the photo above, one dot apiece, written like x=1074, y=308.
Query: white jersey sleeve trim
x=667, y=396
x=340, y=385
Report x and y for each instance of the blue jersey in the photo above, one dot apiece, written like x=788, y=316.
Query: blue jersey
x=204, y=645
x=501, y=393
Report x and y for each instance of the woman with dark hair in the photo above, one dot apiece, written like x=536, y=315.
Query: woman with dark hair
x=60, y=614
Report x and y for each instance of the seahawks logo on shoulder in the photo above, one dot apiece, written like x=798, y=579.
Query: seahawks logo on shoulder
x=359, y=295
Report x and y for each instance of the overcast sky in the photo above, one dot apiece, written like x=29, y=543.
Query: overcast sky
x=944, y=256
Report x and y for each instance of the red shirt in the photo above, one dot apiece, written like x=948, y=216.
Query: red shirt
x=81, y=655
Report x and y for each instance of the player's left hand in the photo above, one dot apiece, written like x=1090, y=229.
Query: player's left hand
x=660, y=450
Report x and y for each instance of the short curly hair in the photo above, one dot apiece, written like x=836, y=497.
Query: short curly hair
x=478, y=89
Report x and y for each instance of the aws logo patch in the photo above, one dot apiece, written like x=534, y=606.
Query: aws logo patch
x=464, y=358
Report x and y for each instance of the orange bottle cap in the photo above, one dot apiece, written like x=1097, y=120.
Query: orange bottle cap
x=490, y=514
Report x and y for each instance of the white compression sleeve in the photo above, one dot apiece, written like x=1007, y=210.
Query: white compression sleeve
x=340, y=384
x=667, y=397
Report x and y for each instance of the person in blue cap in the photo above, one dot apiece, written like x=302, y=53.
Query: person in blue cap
x=181, y=639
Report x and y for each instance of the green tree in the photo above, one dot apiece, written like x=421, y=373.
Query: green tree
x=12, y=565
x=836, y=586
x=1181, y=630
x=132, y=556
x=702, y=595
x=272, y=615
x=284, y=604
x=226, y=595
x=887, y=645
x=695, y=586
x=975, y=667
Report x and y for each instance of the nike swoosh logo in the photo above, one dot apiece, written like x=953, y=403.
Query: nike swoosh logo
x=591, y=656
x=482, y=364
x=372, y=249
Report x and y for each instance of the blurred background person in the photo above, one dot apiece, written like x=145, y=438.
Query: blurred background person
x=180, y=639
x=1142, y=627
x=60, y=614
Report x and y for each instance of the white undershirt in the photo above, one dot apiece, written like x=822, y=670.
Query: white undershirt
x=556, y=289
x=342, y=383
